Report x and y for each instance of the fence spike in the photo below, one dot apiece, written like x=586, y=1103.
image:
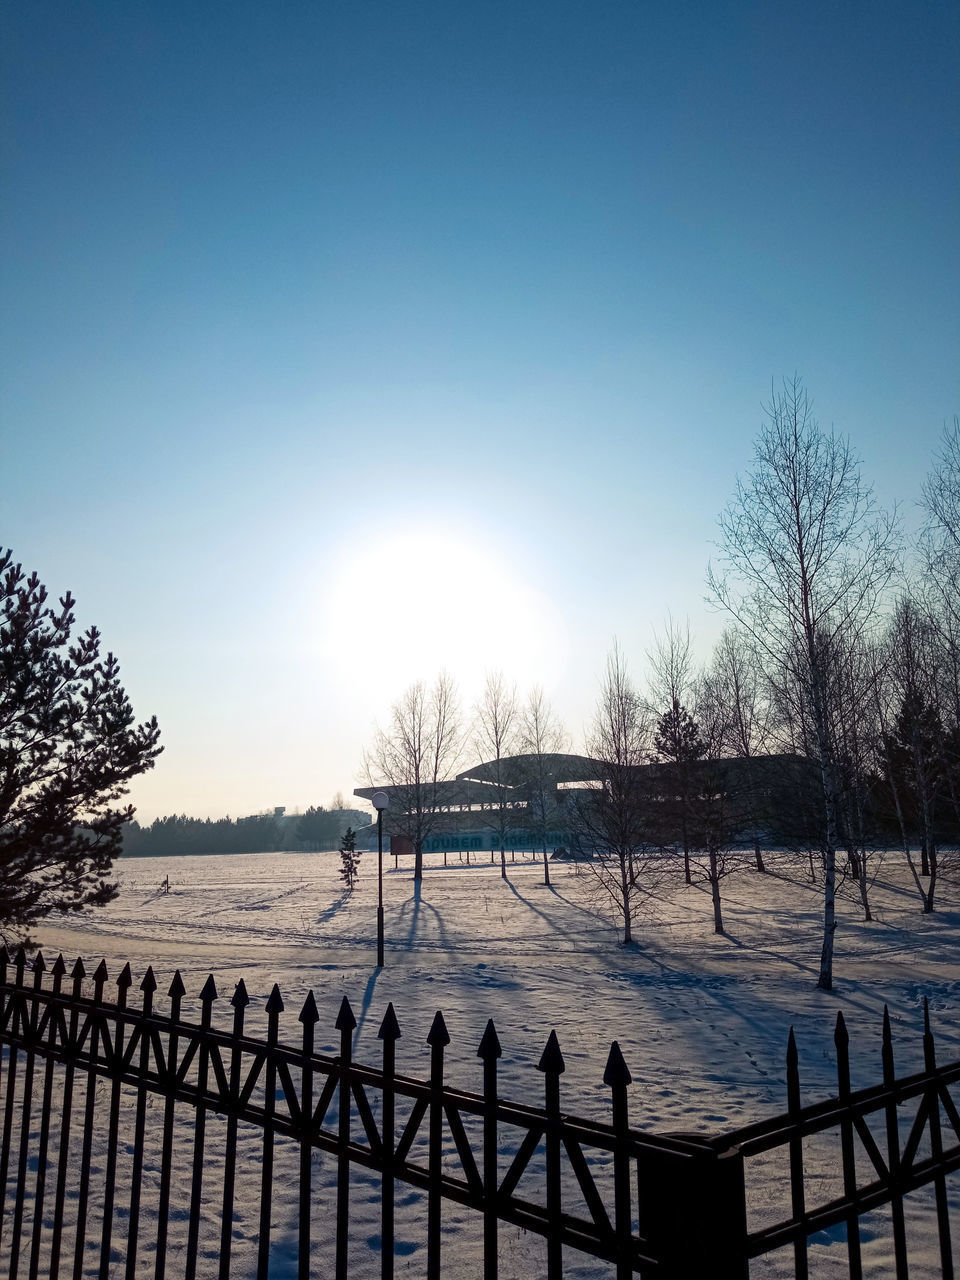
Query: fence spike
x=126, y=977
x=78, y=972
x=793, y=1073
x=20, y=959
x=39, y=964
x=886, y=1050
x=240, y=999
x=841, y=1036
x=309, y=1013
x=275, y=1001
x=59, y=966
x=177, y=989
x=551, y=1060
x=149, y=983
x=100, y=974
x=389, y=1027
x=616, y=1072
x=438, y=1032
x=209, y=992
x=792, y=1055
x=489, y=1047
x=345, y=1019
x=929, y=1049
x=4, y=955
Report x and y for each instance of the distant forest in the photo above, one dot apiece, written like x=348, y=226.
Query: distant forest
x=317, y=829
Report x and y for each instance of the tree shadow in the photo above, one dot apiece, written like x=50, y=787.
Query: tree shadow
x=595, y=918
x=419, y=904
x=367, y=999
x=334, y=907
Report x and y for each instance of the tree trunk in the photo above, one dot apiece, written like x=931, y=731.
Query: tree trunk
x=503, y=863
x=625, y=895
x=830, y=793
x=546, y=869
x=715, y=892
x=932, y=882
x=862, y=884
x=758, y=854
x=418, y=861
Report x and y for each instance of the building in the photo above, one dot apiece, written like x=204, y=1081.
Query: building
x=534, y=804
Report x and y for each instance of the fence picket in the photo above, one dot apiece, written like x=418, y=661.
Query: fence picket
x=797, y=1197
x=26, y=1106
x=617, y=1077
x=308, y=1017
x=936, y=1150
x=841, y=1040
x=10, y=1015
x=274, y=1009
x=893, y=1153
x=207, y=996
x=438, y=1039
x=239, y=1000
x=345, y=1024
x=90, y=1030
x=148, y=986
x=389, y=1033
x=77, y=974
x=176, y=994
x=490, y=1051
x=124, y=982
x=552, y=1065
x=39, y=1195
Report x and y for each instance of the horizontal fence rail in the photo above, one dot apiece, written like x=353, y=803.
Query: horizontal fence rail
x=138, y=1143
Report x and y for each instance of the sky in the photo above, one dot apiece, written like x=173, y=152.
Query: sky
x=345, y=342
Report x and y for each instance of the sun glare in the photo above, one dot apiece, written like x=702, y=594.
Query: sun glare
x=404, y=606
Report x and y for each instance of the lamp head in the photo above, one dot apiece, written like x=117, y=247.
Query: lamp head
x=380, y=800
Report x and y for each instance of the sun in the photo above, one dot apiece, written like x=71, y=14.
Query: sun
x=404, y=605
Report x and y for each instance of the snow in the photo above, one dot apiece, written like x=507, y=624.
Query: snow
x=702, y=1019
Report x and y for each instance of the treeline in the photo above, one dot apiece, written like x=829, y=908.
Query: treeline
x=315, y=829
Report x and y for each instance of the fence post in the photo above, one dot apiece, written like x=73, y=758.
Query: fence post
x=692, y=1210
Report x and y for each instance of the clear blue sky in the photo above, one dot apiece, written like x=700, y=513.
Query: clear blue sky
x=468, y=308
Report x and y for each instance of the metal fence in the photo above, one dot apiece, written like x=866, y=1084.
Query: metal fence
x=136, y=1142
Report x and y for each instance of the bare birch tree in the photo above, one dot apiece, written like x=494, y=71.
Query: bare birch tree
x=736, y=682
x=419, y=749
x=541, y=736
x=677, y=739
x=807, y=558
x=496, y=734
x=613, y=817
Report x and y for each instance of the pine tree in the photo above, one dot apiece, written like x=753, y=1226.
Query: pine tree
x=349, y=859
x=68, y=749
x=678, y=740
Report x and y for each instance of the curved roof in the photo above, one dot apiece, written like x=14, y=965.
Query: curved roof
x=514, y=771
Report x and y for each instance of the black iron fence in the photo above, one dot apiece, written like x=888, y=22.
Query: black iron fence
x=136, y=1142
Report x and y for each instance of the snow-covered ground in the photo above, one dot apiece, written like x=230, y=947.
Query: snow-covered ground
x=702, y=1019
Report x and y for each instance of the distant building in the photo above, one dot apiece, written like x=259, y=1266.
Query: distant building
x=540, y=795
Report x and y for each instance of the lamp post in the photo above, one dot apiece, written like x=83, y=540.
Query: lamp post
x=380, y=801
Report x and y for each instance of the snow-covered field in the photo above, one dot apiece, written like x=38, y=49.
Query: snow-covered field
x=702, y=1020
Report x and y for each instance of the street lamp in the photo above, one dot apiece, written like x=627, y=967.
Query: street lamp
x=380, y=801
